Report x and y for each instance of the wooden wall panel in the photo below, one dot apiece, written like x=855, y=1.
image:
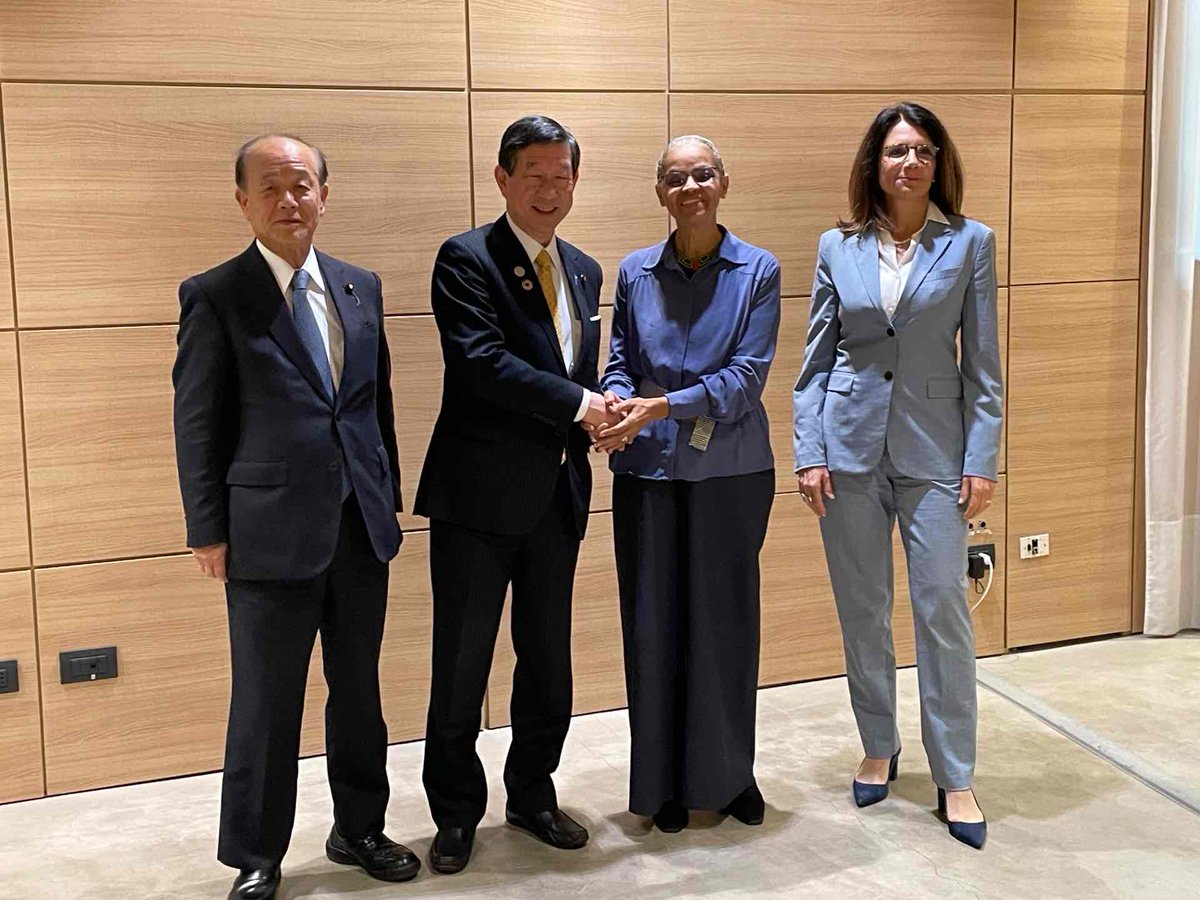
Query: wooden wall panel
x=6, y=294
x=21, y=774
x=418, y=43
x=800, y=634
x=620, y=137
x=1003, y=305
x=398, y=187
x=1082, y=45
x=101, y=454
x=835, y=44
x=789, y=160
x=566, y=44
x=599, y=674
x=777, y=396
x=417, y=395
x=1083, y=587
x=1074, y=385
x=1076, y=188
x=14, y=520
x=165, y=713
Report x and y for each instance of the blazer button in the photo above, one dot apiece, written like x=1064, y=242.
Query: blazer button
x=891, y=332
x=333, y=466
x=887, y=376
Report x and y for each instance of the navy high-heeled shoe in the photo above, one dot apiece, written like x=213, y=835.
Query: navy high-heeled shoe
x=867, y=794
x=973, y=834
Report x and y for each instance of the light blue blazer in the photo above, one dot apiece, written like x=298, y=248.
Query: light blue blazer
x=868, y=383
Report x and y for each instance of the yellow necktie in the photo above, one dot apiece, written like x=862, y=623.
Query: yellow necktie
x=546, y=277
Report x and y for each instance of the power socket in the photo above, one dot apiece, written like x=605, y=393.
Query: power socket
x=1035, y=546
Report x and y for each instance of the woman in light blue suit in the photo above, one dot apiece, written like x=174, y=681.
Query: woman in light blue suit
x=893, y=422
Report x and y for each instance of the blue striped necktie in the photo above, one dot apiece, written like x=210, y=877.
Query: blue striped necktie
x=306, y=324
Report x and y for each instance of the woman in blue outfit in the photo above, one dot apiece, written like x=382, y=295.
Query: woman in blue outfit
x=695, y=321
x=893, y=422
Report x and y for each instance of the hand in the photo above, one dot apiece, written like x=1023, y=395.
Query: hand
x=600, y=411
x=815, y=485
x=635, y=413
x=976, y=494
x=212, y=560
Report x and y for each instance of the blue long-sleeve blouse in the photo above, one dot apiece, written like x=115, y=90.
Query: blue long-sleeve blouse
x=705, y=342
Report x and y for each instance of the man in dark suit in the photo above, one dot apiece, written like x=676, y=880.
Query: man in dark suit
x=506, y=486
x=286, y=448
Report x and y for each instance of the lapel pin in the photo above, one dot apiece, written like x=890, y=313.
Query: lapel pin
x=527, y=284
x=350, y=291
x=519, y=271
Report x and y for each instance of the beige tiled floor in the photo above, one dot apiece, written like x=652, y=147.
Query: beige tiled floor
x=1064, y=822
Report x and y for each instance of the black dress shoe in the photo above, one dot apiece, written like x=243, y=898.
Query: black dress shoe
x=451, y=849
x=550, y=826
x=255, y=884
x=376, y=854
x=671, y=817
x=748, y=807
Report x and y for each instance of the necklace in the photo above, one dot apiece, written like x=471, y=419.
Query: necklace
x=695, y=262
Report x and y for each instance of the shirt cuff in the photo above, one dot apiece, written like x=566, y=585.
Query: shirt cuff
x=688, y=403
x=583, y=405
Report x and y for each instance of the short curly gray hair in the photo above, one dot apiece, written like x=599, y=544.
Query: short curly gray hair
x=660, y=169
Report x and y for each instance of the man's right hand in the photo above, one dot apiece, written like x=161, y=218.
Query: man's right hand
x=599, y=411
x=212, y=560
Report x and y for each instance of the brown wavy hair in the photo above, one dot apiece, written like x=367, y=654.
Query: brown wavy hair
x=868, y=203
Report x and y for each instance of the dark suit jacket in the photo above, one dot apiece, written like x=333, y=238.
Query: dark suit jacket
x=259, y=443
x=508, y=400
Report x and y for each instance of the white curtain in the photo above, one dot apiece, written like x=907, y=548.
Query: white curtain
x=1173, y=339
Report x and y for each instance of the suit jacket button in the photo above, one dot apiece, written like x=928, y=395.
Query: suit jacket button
x=891, y=332
x=887, y=376
x=333, y=466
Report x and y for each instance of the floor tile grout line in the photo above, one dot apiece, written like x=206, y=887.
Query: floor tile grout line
x=1112, y=753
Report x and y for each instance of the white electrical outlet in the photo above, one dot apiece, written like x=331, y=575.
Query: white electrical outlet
x=1034, y=546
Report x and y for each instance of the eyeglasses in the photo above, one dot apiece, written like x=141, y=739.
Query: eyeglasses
x=700, y=175
x=926, y=153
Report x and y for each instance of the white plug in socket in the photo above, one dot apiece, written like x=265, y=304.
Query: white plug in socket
x=1035, y=545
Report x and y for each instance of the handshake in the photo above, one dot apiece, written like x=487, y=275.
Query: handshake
x=613, y=422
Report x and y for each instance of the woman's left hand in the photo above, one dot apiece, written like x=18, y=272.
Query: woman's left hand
x=636, y=413
x=975, y=495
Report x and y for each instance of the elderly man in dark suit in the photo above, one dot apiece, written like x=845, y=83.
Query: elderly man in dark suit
x=506, y=486
x=286, y=448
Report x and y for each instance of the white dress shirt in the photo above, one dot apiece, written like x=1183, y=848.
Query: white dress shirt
x=324, y=311
x=568, y=326
x=893, y=272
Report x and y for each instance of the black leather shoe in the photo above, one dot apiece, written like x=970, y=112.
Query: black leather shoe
x=671, y=817
x=451, y=850
x=255, y=884
x=550, y=826
x=748, y=807
x=376, y=854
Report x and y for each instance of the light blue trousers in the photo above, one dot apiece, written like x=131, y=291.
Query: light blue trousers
x=857, y=531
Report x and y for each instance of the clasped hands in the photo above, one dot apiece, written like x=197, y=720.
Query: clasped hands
x=613, y=422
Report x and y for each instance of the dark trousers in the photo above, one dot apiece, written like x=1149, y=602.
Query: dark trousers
x=470, y=573
x=272, y=627
x=687, y=570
